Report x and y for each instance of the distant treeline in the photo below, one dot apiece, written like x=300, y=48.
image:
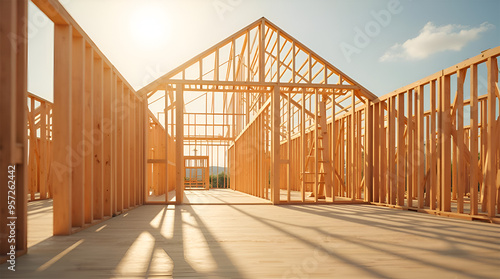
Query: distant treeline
x=219, y=181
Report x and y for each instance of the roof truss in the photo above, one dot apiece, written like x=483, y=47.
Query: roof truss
x=255, y=57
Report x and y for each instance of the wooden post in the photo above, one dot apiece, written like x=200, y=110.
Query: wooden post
x=484, y=146
x=303, y=149
x=143, y=137
x=13, y=142
x=460, y=167
x=32, y=147
x=62, y=160
x=89, y=135
x=106, y=155
x=368, y=175
x=20, y=132
x=316, y=134
x=352, y=151
x=392, y=156
x=44, y=154
x=445, y=134
x=179, y=144
x=98, y=139
x=433, y=151
x=410, y=146
x=359, y=158
x=119, y=148
x=133, y=152
x=167, y=146
x=375, y=152
x=382, y=153
x=275, y=145
x=289, y=146
x=126, y=147
x=401, y=151
x=491, y=169
x=473, y=141
x=78, y=124
x=114, y=144
x=262, y=52
x=420, y=147
x=333, y=151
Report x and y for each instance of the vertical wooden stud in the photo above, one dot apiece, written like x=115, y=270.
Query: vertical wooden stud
x=410, y=147
x=98, y=138
x=433, y=154
x=460, y=167
x=368, y=151
x=392, y=156
x=401, y=151
x=445, y=133
x=491, y=169
x=179, y=143
x=106, y=142
x=77, y=134
x=420, y=147
x=275, y=145
x=89, y=136
x=62, y=163
x=473, y=141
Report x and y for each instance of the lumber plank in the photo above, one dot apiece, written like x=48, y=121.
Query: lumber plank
x=179, y=145
x=89, y=136
x=77, y=130
x=62, y=163
x=491, y=170
x=473, y=141
x=445, y=133
x=401, y=151
x=97, y=111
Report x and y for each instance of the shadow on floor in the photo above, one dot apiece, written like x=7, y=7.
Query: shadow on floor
x=288, y=241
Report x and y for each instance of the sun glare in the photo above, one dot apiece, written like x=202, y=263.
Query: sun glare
x=149, y=26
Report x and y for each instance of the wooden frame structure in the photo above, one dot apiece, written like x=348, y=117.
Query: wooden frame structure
x=299, y=130
x=265, y=83
x=430, y=142
x=13, y=142
x=39, y=113
x=292, y=127
x=96, y=122
x=98, y=126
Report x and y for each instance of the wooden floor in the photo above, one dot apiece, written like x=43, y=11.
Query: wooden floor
x=263, y=241
x=212, y=196
x=40, y=221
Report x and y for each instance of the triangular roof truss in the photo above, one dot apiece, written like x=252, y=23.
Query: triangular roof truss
x=257, y=57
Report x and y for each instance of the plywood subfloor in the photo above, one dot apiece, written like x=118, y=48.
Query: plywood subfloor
x=265, y=241
x=40, y=220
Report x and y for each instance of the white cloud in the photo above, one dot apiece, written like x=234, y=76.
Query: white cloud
x=433, y=39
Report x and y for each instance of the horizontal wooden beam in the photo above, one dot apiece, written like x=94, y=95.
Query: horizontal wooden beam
x=269, y=85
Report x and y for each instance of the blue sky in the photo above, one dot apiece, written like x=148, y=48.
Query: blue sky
x=383, y=44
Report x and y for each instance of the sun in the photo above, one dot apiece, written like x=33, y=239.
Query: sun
x=149, y=26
